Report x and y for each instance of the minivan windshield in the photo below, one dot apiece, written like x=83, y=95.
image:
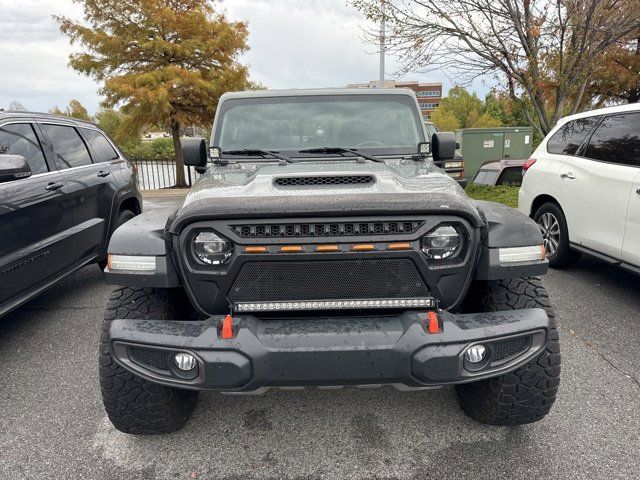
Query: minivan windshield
x=376, y=124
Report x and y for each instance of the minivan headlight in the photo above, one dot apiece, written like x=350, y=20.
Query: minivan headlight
x=443, y=242
x=211, y=248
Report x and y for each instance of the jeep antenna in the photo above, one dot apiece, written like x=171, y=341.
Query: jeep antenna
x=382, y=42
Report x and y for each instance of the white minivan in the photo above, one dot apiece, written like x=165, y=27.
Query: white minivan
x=582, y=186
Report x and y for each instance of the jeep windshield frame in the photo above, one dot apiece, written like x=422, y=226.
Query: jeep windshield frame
x=374, y=124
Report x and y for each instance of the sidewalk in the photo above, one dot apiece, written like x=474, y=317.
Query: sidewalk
x=165, y=192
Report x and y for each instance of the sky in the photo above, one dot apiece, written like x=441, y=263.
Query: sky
x=293, y=44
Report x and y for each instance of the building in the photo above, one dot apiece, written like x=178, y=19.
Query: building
x=429, y=94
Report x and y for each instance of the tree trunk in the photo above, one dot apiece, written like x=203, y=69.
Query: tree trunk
x=181, y=181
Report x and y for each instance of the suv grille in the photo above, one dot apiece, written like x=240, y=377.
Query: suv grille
x=324, y=181
x=325, y=229
x=328, y=280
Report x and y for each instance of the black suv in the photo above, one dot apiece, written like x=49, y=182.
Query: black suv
x=322, y=247
x=64, y=188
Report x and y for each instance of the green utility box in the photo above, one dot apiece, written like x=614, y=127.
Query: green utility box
x=479, y=145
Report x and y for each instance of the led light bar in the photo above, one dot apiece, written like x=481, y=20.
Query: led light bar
x=534, y=253
x=131, y=263
x=335, y=304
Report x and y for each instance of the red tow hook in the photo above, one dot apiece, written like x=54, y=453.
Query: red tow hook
x=433, y=322
x=227, y=328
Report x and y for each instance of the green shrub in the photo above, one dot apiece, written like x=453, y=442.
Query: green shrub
x=158, y=149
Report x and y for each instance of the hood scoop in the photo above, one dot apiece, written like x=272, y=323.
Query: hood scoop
x=325, y=181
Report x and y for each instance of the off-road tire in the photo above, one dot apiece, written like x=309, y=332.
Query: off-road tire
x=123, y=217
x=527, y=394
x=563, y=256
x=133, y=404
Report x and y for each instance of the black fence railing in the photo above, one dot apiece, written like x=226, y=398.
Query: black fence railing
x=159, y=174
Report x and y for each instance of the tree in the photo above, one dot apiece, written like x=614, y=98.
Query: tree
x=544, y=48
x=16, y=106
x=115, y=124
x=466, y=107
x=75, y=109
x=616, y=76
x=445, y=120
x=165, y=61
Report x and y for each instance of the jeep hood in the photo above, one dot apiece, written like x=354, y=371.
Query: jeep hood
x=400, y=187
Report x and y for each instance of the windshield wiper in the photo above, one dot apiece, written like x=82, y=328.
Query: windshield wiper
x=256, y=152
x=330, y=150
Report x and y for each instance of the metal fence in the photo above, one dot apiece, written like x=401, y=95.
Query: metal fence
x=158, y=174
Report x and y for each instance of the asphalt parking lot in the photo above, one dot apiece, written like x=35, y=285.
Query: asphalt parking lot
x=52, y=424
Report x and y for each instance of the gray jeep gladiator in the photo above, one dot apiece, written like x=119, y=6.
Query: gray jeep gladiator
x=321, y=247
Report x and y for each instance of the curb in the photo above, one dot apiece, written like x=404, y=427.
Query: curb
x=173, y=192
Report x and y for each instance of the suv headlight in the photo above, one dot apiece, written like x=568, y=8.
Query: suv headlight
x=211, y=248
x=443, y=242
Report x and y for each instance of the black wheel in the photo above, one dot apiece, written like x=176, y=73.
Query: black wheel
x=123, y=217
x=527, y=394
x=555, y=233
x=133, y=404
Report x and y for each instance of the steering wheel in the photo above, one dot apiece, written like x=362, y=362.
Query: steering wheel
x=370, y=143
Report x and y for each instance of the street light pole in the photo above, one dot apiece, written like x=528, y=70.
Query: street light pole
x=382, y=43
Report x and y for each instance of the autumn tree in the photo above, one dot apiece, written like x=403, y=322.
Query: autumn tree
x=616, y=75
x=166, y=62
x=543, y=50
x=117, y=126
x=75, y=109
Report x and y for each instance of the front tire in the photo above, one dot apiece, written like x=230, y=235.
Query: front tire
x=527, y=394
x=553, y=225
x=133, y=404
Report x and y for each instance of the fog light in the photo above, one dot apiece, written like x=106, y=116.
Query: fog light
x=475, y=354
x=185, y=361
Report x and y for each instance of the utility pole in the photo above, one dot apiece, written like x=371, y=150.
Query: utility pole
x=382, y=43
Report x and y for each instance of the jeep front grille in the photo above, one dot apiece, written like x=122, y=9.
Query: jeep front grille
x=333, y=229
x=320, y=181
x=368, y=279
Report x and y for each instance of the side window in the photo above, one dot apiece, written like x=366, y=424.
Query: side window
x=20, y=139
x=567, y=140
x=101, y=147
x=68, y=146
x=511, y=176
x=617, y=140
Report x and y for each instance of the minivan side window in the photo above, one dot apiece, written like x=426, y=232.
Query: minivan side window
x=102, y=149
x=567, y=140
x=616, y=140
x=20, y=139
x=68, y=146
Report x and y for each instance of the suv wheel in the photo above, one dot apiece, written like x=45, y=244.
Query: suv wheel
x=133, y=404
x=555, y=233
x=527, y=394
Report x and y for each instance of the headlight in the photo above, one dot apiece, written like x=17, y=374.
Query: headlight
x=442, y=242
x=212, y=249
x=452, y=164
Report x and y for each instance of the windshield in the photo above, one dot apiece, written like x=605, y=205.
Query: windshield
x=383, y=124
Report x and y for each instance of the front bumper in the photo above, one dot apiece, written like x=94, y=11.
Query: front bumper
x=394, y=349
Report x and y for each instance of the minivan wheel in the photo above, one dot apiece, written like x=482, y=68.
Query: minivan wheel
x=555, y=233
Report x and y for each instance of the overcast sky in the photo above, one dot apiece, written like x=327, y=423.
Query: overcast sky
x=294, y=44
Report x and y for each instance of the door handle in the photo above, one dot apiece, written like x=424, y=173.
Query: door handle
x=569, y=176
x=54, y=186
x=638, y=191
x=104, y=173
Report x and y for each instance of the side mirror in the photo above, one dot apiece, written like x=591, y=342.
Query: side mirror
x=194, y=152
x=13, y=167
x=443, y=146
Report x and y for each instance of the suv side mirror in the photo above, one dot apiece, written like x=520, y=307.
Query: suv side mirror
x=13, y=167
x=194, y=152
x=443, y=146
